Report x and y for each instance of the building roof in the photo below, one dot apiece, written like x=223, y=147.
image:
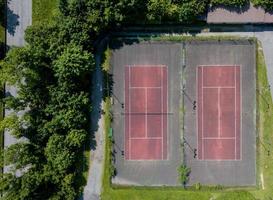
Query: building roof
x=248, y=14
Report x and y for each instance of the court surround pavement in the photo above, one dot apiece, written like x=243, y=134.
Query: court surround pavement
x=240, y=172
x=231, y=172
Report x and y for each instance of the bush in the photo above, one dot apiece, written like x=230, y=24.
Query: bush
x=175, y=11
x=184, y=173
x=189, y=10
x=161, y=10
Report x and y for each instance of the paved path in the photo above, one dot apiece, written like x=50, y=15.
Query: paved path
x=19, y=17
x=94, y=183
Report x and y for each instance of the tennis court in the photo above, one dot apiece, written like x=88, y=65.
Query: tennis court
x=146, y=112
x=146, y=123
x=219, y=112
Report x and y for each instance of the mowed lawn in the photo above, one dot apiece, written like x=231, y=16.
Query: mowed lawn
x=265, y=126
x=44, y=10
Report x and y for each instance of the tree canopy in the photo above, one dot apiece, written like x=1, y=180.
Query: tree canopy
x=52, y=74
x=230, y=3
x=266, y=4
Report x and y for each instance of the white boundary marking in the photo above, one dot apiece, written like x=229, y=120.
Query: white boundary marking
x=124, y=100
x=219, y=113
x=129, y=98
x=235, y=67
x=146, y=117
x=146, y=88
x=145, y=138
x=262, y=181
x=167, y=110
x=197, y=108
x=162, y=141
x=241, y=109
x=235, y=118
x=218, y=138
x=159, y=66
x=218, y=87
x=202, y=114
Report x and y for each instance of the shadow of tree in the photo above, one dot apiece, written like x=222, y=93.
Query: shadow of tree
x=96, y=100
x=2, y=50
x=2, y=13
x=12, y=20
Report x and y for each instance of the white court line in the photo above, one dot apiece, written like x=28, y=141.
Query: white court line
x=167, y=110
x=146, y=138
x=241, y=108
x=227, y=65
x=134, y=87
x=218, y=87
x=197, y=108
x=129, y=112
x=262, y=181
x=125, y=133
x=146, y=116
x=219, y=138
x=159, y=66
x=219, y=113
x=202, y=114
x=162, y=144
x=146, y=91
x=235, y=131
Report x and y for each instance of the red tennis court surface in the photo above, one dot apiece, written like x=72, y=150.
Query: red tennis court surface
x=146, y=112
x=219, y=112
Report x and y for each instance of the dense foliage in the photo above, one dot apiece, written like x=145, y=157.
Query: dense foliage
x=266, y=4
x=230, y=3
x=52, y=74
x=175, y=11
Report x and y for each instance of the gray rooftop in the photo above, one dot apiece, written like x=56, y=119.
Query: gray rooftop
x=248, y=14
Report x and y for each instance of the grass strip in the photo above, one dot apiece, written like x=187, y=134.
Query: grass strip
x=43, y=11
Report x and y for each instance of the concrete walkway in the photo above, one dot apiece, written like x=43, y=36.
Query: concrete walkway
x=19, y=17
x=93, y=188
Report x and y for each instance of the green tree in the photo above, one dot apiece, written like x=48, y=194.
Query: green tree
x=230, y=3
x=189, y=10
x=161, y=10
x=266, y=4
x=52, y=74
